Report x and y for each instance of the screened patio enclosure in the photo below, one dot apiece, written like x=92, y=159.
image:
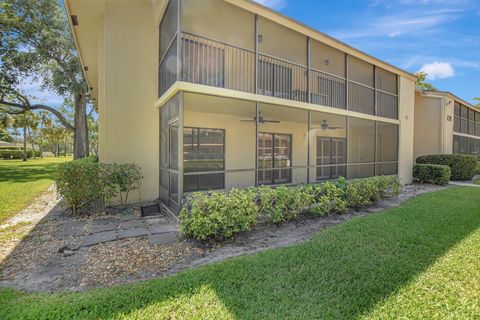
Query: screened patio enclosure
x=217, y=143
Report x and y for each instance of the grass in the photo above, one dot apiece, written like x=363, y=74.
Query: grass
x=420, y=260
x=15, y=231
x=21, y=182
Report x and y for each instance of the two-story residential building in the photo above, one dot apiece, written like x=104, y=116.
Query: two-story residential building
x=444, y=123
x=216, y=94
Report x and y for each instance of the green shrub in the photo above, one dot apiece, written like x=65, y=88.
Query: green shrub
x=477, y=171
x=219, y=215
x=432, y=173
x=10, y=148
x=462, y=166
x=282, y=203
x=127, y=177
x=327, y=197
x=78, y=183
x=16, y=154
x=92, y=159
x=82, y=182
x=361, y=193
x=105, y=185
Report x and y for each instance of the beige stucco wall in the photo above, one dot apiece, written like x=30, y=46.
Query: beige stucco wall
x=220, y=21
x=428, y=127
x=128, y=120
x=447, y=120
x=406, y=117
x=127, y=95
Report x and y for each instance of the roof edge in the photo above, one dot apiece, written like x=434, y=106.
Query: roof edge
x=258, y=8
x=449, y=95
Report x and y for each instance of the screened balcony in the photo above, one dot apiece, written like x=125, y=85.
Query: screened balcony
x=216, y=44
x=217, y=143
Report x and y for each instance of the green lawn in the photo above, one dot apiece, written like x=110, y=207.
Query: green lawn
x=21, y=182
x=418, y=261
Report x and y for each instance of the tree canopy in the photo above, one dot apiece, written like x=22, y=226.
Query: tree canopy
x=36, y=44
x=422, y=83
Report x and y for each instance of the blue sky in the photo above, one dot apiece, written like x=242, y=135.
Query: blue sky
x=441, y=37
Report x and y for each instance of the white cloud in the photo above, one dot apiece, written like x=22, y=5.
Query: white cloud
x=412, y=22
x=430, y=2
x=438, y=70
x=274, y=4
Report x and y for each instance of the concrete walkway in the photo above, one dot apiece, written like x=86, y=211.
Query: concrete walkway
x=84, y=233
x=463, y=184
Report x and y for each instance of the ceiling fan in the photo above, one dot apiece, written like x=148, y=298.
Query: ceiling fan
x=325, y=126
x=261, y=119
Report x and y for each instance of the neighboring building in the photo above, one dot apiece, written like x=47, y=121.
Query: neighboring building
x=444, y=123
x=228, y=93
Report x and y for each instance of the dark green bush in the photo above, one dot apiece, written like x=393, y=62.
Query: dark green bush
x=127, y=177
x=327, y=198
x=282, y=203
x=78, y=183
x=10, y=148
x=219, y=215
x=92, y=159
x=462, y=166
x=82, y=182
x=477, y=171
x=432, y=173
x=16, y=154
x=365, y=192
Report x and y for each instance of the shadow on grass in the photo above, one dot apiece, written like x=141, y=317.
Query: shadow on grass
x=27, y=171
x=341, y=273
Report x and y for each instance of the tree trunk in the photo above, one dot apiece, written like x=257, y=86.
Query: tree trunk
x=41, y=138
x=24, y=137
x=31, y=142
x=65, y=144
x=80, y=134
x=87, y=140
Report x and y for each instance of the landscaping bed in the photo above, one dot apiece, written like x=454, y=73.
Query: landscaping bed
x=418, y=260
x=38, y=262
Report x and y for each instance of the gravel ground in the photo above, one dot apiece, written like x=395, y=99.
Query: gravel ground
x=35, y=258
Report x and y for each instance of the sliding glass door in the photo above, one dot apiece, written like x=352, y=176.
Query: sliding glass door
x=330, y=153
x=274, y=158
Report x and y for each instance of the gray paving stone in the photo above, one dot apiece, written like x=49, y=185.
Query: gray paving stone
x=132, y=224
x=163, y=238
x=95, y=228
x=75, y=224
x=156, y=220
x=99, y=237
x=107, y=220
x=128, y=217
x=162, y=228
x=132, y=233
x=70, y=232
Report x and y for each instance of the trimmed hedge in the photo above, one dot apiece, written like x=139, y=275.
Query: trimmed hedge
x=432, y=173
x=462, y=166
x=10, y=148
x=16, y=154
x=85, y=181
x=220, y=215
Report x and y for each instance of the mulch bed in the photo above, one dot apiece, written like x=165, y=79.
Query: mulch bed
x=37, y=263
